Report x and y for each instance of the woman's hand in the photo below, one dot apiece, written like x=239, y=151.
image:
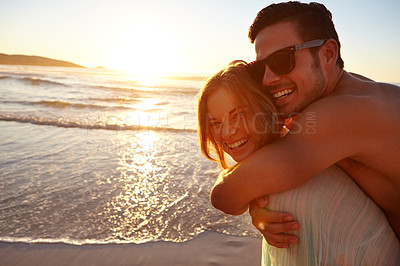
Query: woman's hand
x=273, y=225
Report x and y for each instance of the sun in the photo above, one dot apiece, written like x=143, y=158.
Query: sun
x=146, y=53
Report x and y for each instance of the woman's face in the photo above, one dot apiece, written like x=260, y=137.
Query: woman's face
x=228, y=125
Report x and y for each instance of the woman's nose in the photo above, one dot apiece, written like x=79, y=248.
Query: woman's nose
x=228, y=129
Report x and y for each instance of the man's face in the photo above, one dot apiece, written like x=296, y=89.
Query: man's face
x=297, y=89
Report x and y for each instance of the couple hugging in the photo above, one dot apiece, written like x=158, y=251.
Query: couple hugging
x=317, y=148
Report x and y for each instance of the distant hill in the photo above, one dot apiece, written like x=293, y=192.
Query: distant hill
x=34, y=61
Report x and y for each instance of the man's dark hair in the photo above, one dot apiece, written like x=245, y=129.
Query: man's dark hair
x=312, y=21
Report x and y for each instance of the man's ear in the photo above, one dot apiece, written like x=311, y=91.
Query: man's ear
x=330, y=52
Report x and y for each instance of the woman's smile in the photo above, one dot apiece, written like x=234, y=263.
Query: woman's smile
x=237, y=144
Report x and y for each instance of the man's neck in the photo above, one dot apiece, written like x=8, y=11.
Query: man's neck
x=335, y=80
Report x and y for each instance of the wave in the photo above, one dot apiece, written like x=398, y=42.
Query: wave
x=201, y=78
x=149, y=89
x=76, y=124
x=116, y=99
x=35, y=81
x=64, y=104
x=40, y=82
x=75, y=242
x=126, y=86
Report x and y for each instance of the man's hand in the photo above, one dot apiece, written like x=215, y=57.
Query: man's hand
x=273, y=225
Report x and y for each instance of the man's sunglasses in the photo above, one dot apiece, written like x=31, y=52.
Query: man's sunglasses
x=280, y=62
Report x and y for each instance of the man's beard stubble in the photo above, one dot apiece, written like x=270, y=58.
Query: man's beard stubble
x=315, y=93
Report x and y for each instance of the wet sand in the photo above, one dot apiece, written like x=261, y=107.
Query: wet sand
x=206, y=249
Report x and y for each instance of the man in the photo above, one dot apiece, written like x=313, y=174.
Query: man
x=343, y=119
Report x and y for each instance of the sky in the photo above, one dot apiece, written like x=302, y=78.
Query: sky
x=185, y=36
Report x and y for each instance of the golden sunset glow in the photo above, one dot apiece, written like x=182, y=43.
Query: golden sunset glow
x=99, y=121
x=145, y=54
x=153, y=38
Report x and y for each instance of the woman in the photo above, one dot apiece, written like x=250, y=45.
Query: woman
x=340, y=224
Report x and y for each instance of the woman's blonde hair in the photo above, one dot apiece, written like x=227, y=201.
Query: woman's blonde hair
x=246, y=93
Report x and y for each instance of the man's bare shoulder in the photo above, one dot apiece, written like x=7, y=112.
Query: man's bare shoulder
x=357, y=121
x=359, y=86
x=360, y=121
x=357, y=95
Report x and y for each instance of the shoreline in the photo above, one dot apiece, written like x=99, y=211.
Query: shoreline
x=208, y=248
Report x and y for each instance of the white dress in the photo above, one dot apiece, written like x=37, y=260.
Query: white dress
x=340, y=225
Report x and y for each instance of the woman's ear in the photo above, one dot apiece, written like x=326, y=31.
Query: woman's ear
x=330, y=52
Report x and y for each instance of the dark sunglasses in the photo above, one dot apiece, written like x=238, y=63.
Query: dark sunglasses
x=280, y=62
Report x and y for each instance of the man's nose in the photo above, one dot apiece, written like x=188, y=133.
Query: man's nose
x=270, y=77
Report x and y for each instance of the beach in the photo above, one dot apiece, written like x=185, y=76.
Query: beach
x=206, y=249
x=103, y=168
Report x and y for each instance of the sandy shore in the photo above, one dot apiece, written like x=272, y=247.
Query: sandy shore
x=206, y=249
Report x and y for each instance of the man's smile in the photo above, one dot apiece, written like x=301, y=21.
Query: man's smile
x=282, y=94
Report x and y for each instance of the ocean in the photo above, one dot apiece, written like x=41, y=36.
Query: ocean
x=93, y=156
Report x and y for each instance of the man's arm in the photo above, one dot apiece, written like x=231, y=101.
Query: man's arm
x=321, y=136
x=383, y=194
x=273, y=225
x=237, y=211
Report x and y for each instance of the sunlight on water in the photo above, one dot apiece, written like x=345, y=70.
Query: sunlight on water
x=147, y=140
x=138, y=211
x=139, y=119
x=93, y=156
x=146, y=104
x=148, y=114
x=146, y=81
